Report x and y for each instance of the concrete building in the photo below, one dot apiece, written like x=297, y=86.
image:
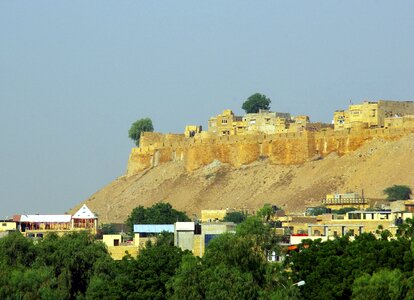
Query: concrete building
x=184, y=235
x=196, y=237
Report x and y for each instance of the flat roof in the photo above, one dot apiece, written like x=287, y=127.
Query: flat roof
x=371, y=212
x=45, y=218
x=153, y=228
x=335, y=225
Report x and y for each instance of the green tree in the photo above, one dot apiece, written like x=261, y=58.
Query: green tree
x=234, y=266
x=52, y=268
x=138, y=127
x=187, y=283
x=144, y=277
x=381, y=285
x=398, y=192
x=108, y=228
x=159, y=213
x=255, y=102
x=316, y=211
x=266, y=212
x=235, y=217
x=72, y=258
x=330, y=268
x=406, y=229
x=16, y=250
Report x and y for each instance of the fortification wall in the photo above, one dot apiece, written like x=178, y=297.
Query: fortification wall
x=283, y=148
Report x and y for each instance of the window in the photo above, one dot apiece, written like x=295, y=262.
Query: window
x=4, y=224
x=208, y=238
x=354, y=216
x=223, y=121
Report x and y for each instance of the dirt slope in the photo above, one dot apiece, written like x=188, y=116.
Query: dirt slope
x=373, y=167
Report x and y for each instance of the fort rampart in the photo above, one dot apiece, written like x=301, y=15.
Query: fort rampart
x=237, y=150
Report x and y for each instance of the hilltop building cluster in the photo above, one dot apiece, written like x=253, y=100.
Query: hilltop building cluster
x=368, y=114
x=277, y=136
x=265, y=121
x=381, y=114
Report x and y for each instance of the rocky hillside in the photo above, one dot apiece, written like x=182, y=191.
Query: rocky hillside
x=373, y=167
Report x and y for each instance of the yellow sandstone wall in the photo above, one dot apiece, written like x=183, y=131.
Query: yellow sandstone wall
x=283, y=148
x=118, y=252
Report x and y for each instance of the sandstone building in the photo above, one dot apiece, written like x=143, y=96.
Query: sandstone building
x=264, y=121
x=226, y=123
x=278, y=137
x=384, y=113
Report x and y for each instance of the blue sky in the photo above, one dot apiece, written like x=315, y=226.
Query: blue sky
x=74, y=75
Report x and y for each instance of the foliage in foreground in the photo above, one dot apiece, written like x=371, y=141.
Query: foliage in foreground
x=234, y=266
x=236, y=217
x=345, y=269
x=53, y=268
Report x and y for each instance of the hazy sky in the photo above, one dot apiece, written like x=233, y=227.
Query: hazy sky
x=74, y=75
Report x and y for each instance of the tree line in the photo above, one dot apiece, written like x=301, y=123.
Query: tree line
x=235, y=265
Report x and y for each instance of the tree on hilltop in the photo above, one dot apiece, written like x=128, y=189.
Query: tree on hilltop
x=398, y=192
x=138, y=127
x=255, y=102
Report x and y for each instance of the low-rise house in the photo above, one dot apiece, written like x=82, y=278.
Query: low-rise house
x=118, y=247
x=343, y=200
x=147, y=232
x=7, y=225
x=39, y=225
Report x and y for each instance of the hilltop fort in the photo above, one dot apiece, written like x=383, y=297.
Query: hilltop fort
x=276, y=136
x=243, y=162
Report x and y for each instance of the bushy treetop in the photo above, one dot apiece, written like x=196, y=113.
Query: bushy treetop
x=159, y=213
x=255, y=102
x=138, y=127
x=398, y=192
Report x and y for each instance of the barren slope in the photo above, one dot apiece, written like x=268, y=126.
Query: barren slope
x=373, y=167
